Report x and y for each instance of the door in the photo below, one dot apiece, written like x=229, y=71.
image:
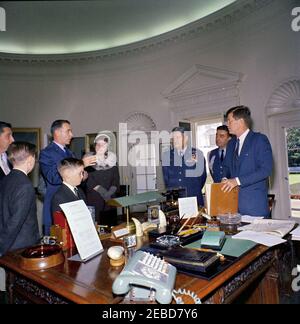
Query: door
x=285, y=140
x=292, y=135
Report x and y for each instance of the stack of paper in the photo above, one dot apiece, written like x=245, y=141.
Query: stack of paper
x=296, y=234
x=269, y=226
x=250, y=219
x=260, y=238
x=266, y=231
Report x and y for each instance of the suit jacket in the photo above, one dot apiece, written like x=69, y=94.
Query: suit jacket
x=65, y=195
x=253, y=167
x=18, y=218
x=217, y=168
x=49, y=160
x=187, y=172
x=2, y=174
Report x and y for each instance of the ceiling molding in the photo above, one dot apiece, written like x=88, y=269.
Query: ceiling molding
x=222, y=18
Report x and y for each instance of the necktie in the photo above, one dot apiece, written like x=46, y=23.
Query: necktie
x=237, y=147
x=222, y=155
x=4, y=165
x=76, y=192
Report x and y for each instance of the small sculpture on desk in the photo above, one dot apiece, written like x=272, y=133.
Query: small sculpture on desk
x=162, y=220
x=116, y=255
x=141, y=228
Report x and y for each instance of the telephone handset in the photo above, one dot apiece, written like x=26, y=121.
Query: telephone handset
x=146, y=276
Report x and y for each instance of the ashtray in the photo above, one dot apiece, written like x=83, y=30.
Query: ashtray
x=230, y=219
x=41, y=257
x=168, y=240
x=229, y=223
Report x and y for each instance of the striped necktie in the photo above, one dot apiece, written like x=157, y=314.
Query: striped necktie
x=4, y=165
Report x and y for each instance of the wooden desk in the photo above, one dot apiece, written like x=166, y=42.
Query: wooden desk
x=255, y=275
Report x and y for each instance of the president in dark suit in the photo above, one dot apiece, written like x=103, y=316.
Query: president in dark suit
x=49, y=159
x=251, y=163
x=184, y=166
x=6, y=139
x=71, y=171
x=18, y=218
x=217, y=157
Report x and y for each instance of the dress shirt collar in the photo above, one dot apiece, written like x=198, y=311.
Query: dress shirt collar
x=242, y=139
x=20, y=170
x=181, y=152
x=70, y=187
x=4, y=156
x=222, y=149
x=60, y=146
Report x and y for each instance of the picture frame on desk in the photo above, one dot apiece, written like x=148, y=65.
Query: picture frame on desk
x=30, y=135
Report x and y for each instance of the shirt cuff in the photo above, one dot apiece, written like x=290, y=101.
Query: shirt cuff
x=238, y=181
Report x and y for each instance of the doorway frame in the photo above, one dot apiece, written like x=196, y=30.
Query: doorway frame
x=280, y=182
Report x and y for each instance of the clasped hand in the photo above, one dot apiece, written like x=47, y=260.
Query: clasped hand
x=229, y=184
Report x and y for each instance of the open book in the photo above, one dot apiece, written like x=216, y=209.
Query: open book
x=269, y=226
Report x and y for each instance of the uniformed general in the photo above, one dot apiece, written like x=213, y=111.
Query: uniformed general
x=184, y=166
x=216, y=158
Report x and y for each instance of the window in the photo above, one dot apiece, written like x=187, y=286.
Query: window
x=206, y=137
x=145, y=168
x=293, y=150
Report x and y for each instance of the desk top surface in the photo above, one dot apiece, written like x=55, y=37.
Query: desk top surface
x=91, y=282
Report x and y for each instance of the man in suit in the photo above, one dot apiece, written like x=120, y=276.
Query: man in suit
x=251, y=163
x=71, y=171
x=50, y=157
x=18, y=218
x=184, y=166
x=216, y=157
x=6, y=139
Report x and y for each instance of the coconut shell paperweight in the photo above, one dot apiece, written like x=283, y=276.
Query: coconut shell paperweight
x=41, y=257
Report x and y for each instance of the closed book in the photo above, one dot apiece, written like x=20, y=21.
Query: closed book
x=189, y=259
x=219, y=202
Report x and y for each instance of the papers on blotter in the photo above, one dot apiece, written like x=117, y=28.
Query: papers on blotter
x=83, y=229
x=260, y=238
x=269, y=226
x=250, y=219
x=296, y=234
x=265, y=231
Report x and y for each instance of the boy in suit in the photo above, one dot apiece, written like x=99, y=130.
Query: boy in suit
x=6, y=139
x=71, y=171
x=216, y=157
x=50, y=157
x=251, y=163
x=18, y=218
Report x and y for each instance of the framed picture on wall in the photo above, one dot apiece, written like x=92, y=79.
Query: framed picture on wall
x=90, y=138
x=77, y=146
x=30, y=135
